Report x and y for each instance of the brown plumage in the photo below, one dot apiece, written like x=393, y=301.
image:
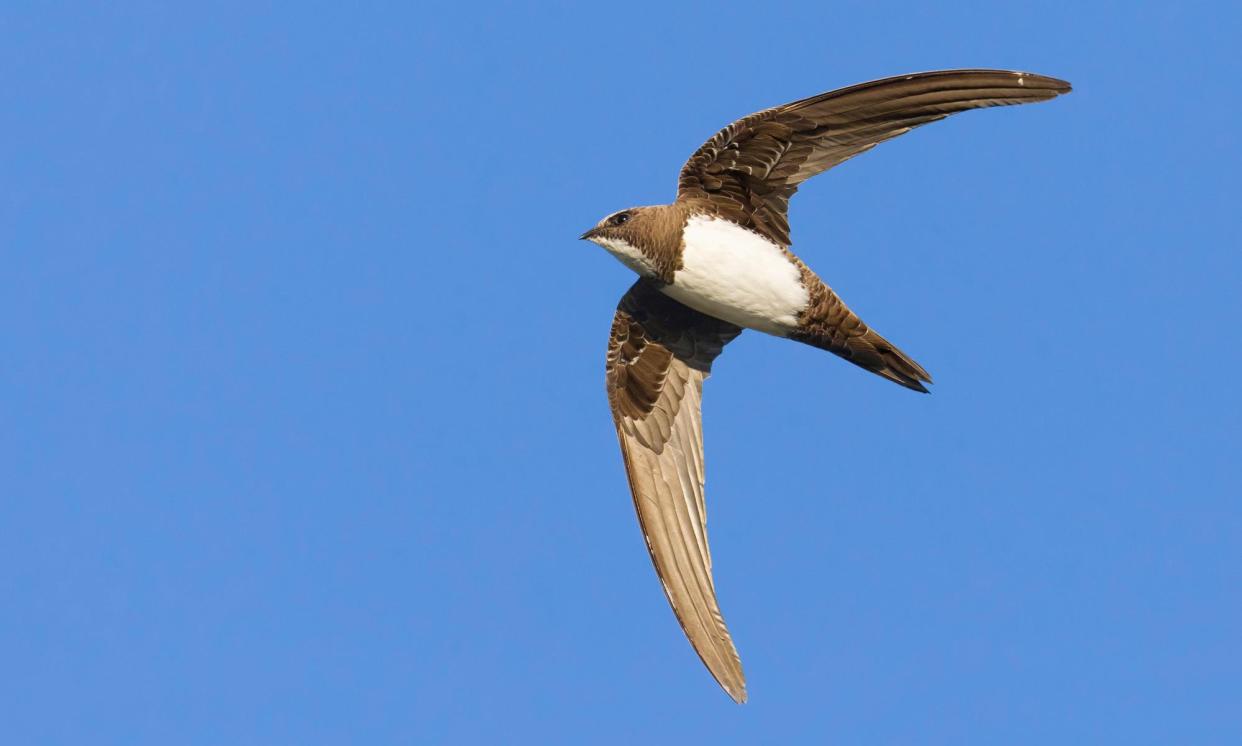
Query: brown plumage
x=659, y=354
x=660, y=350
x=748, y=171
x=829, y=324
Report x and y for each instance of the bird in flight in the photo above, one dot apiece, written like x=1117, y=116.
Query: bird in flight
x=717, y=261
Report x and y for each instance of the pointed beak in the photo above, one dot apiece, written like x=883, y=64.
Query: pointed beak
x=588, y=235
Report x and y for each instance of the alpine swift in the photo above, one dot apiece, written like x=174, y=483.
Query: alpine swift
x=717, y=261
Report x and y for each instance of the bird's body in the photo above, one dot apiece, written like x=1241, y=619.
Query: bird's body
x=717, y=261
x=716, y=267
x=734, y=273
x=737, y=275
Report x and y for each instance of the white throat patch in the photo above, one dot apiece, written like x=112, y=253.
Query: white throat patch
x=629, y=255
x=739, y=276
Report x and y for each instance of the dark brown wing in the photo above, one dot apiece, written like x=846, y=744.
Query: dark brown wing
x=751, y=168
x=658, y=356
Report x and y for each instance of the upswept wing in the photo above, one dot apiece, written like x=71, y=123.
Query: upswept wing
x=749, y=170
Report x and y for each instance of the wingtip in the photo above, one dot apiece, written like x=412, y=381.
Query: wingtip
x=1056, y=86
x=729, y=676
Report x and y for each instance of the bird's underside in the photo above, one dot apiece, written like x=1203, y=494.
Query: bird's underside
x=661, y=350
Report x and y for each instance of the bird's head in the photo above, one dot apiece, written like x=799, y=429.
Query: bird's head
x=618, y=226
x=628, y=235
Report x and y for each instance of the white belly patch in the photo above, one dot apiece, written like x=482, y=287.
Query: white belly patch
x=737, y=275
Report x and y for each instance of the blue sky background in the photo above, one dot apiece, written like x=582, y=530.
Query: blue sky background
x=304, y=437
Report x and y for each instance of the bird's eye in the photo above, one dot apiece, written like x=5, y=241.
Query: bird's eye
x=620, y=218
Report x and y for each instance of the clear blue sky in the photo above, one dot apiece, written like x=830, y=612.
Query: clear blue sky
x=304, y=436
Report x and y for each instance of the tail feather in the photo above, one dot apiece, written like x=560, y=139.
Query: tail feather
x=872, y=352
x=827, y=323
